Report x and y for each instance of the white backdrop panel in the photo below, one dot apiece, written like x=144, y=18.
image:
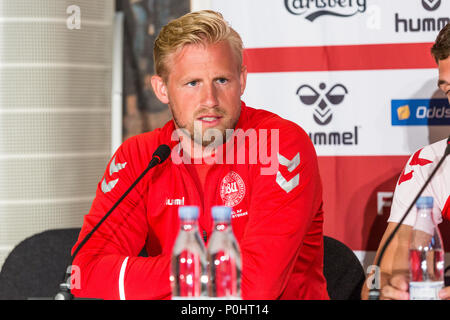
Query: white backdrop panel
x=367, y=105
x=270, y=24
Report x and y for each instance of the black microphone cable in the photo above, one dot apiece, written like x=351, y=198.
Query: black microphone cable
x=158, y=157
x=374, y=293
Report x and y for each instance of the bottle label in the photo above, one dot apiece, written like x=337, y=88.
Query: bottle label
x=428, y=290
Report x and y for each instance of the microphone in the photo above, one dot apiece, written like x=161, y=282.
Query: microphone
x=447, y=150
x=159, y=156
x=374, y=293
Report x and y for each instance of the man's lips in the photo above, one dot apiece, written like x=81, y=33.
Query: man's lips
x=209, y=119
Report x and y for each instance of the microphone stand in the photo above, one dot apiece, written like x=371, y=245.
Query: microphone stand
x=159, y=156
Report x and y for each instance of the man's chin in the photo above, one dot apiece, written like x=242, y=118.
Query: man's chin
x=212, y=137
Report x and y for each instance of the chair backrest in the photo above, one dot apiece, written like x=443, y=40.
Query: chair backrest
x=37, y=265
x=344, y=273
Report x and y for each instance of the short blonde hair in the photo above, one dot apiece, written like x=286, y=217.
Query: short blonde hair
x=201, y=27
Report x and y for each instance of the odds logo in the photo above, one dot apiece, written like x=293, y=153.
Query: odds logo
x=232, y=189
x=403, y=112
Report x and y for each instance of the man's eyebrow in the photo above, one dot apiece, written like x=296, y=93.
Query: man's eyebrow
x=441, y=82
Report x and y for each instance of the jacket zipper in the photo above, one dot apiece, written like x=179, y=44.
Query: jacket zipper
x=204, y=234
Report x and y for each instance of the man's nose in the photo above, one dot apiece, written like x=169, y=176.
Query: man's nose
x=209, y=95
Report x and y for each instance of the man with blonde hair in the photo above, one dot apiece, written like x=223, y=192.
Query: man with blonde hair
x=277, y=204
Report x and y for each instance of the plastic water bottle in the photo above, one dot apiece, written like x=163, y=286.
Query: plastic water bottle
x=426, y=254
x=224, y=257
x=188, y=268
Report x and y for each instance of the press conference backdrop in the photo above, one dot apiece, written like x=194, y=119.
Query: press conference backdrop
x=358, y=77
x=55, y=112
x=355, y=74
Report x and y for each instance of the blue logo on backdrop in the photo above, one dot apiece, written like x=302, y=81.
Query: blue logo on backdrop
x=420, y=112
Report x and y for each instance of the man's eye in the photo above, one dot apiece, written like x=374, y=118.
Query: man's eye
x=222, y=80
x=192, y=83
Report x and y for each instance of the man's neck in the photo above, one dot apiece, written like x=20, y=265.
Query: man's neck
x=195, y=153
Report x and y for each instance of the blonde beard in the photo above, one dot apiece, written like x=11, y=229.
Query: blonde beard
x=205, y=139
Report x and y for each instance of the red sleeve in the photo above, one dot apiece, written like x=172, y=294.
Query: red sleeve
x=283, y=206
x=108, y=264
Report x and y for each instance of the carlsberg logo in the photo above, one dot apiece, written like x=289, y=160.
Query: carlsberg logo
x=318, y=8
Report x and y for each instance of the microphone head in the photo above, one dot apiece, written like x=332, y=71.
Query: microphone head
x=162, y=153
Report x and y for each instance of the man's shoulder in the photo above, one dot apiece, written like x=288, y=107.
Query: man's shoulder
x=151, y=138
x=419, y=167
x=289, y=137
x=412, y=178
x=427, y=154
x=263, y=119
x=144, y=144
x=142, y=140
x=435, y=150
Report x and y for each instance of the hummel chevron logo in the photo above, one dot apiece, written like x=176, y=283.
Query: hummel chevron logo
x=113, y=167
x=431, y=5
x=415, y=161
x=107, y=187
x=291, y=165
x=322, y=114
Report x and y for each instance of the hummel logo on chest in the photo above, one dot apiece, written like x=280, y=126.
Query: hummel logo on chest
x=174, y=202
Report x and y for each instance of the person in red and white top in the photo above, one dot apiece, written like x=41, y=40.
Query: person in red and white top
x=277, y=205
x=413, y=177
x=394, y=267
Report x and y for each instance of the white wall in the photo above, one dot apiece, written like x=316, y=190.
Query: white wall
x=55, y=112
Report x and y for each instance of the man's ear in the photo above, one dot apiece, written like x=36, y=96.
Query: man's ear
x=160, y=88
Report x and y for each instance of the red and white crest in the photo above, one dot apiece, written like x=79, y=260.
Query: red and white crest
x=232, y=189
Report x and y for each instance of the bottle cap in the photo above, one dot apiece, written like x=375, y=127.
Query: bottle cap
x=424, y=202
x=188, y=212
x=221, y=213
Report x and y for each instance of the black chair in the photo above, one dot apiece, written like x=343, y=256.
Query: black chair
x=344, y=273
x=36, y=266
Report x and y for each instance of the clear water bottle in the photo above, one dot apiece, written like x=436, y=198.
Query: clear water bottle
x=426, y=254
x=188, y=267
x=224, y=257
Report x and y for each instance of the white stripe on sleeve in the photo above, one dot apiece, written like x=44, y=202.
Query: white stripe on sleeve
x=122, y=279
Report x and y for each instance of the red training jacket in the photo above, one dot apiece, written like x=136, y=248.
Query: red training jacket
x=277, y=215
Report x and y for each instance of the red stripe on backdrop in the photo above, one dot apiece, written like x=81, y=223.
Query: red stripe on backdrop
x=354, y=188
x=340, y=58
